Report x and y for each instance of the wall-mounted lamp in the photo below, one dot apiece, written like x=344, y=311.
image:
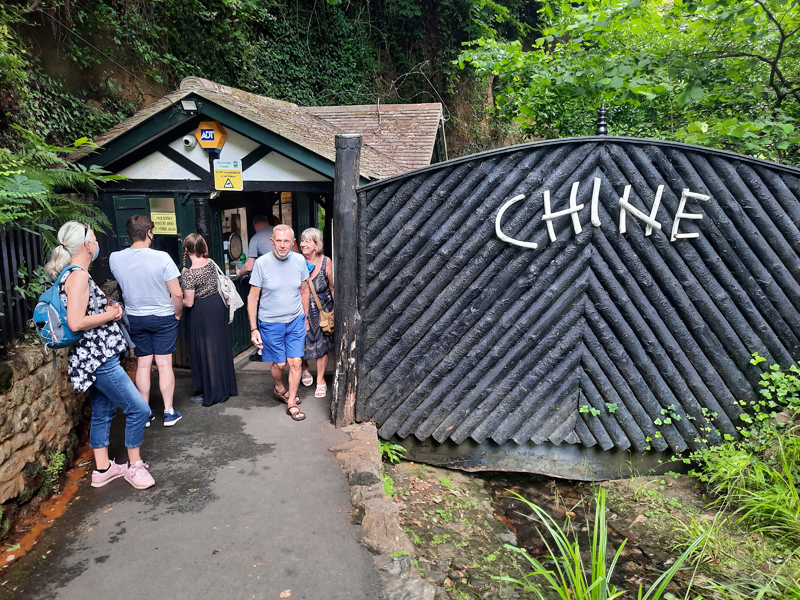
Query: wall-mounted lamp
x=189, y=106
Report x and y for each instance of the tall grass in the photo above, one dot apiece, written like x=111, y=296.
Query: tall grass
x=569, y=577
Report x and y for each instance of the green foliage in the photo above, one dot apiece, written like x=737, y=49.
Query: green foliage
x=564, y=570
x=56, y=461
x=722, y=73
x=307, y=52
x=59, y=115
x=756, y=476
x=388, y=484
x=391, y=452
x=446, y=483
x=34, y=182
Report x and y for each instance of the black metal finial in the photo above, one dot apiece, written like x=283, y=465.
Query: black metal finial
x=601, y=121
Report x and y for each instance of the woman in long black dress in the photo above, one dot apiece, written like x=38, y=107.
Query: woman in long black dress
x=213, y=376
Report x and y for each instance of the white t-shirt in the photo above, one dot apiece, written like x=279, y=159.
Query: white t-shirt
x=142, y=274
x=280, y=287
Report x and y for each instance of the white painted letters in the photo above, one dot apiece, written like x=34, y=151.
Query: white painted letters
x=499, y=232
x=625, y=207
x=573, y=209
x=682, y=215
x=595, y=202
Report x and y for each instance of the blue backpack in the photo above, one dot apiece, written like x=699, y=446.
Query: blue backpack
x=50, y=316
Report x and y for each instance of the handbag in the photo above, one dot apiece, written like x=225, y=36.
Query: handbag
x=325, y=318
x=227, y=290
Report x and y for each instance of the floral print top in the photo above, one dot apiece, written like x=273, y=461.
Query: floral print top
x=96, y=345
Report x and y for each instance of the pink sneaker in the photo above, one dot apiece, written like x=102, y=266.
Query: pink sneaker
x=138, y=476
x=114, y=471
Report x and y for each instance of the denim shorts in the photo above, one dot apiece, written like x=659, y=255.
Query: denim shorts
x=154, y=335
x=282, y=340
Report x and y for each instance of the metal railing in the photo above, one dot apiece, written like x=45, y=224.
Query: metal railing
x=20, y=254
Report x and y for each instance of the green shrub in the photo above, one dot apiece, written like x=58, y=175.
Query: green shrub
x=755, y=476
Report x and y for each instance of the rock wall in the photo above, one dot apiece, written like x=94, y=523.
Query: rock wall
x=39, y=412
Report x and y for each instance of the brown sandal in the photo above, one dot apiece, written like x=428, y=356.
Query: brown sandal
x=298, y=415
x=283, y=397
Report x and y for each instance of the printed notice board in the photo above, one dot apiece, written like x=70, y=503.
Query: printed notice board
x=228, y=175
x=164, y=223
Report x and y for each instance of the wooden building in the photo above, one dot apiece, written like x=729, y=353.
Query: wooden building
x=273, y=157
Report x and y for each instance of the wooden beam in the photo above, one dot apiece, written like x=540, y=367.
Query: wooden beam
x=347, y=331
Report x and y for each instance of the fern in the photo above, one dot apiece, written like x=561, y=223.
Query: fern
x=37, y=185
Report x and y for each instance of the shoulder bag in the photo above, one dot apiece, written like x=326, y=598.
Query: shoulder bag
x=325, y=318
x=227, y=290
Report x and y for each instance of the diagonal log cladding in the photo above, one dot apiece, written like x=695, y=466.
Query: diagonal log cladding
x=639, y=340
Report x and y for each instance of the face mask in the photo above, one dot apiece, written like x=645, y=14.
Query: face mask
x=96, y=253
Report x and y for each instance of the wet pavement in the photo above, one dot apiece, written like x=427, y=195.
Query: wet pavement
x=247, y=504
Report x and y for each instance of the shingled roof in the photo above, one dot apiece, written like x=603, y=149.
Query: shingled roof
x=403, y=140
x=404, y=132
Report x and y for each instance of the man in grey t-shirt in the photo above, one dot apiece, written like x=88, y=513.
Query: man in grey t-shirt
x=261, y=243
x=278, y=309
x=154, y=302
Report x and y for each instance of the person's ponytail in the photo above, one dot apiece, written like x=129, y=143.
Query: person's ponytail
x=71, y=237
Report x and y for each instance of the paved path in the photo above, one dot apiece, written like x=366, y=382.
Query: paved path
x=247, y=504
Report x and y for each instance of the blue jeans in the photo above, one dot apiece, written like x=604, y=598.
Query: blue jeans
x=113, y=388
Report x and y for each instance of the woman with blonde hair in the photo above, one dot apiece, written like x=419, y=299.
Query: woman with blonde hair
x=93, y=362
x=213, y=375
x=318, y=345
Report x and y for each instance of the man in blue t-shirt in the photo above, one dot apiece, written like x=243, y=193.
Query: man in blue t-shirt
x=278, y=323
x=153, y=302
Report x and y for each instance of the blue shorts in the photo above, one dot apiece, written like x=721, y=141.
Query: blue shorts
x=282, y=340
x=154, y=335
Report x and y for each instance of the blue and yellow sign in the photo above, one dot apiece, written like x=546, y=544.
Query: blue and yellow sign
x=211, y=136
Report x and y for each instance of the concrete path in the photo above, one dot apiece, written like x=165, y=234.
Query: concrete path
x=247, y=504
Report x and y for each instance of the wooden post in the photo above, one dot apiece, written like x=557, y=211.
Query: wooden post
x=202, y=217
x=347, y=327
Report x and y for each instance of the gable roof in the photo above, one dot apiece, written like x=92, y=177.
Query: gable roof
x=303, y=127
x=406, y=133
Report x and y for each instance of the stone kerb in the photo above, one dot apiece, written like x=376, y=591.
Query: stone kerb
x=38, y=413
x=392, y=551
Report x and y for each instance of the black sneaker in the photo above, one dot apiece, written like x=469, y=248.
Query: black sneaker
x=255, y=356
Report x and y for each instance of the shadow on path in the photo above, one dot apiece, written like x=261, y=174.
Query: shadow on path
x=247, y=504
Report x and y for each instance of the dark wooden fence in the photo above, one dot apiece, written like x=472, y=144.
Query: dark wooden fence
x=606, y=337
x=19, y=250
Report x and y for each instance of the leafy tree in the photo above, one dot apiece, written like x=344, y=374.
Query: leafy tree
x=723, y=73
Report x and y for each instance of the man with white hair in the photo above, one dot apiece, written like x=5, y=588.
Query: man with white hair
x=278, y=309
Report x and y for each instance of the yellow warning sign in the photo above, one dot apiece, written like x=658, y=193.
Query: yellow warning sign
x=228, y=175
x=164, y=223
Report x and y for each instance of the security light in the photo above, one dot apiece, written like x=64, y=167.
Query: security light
x=189, y=106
